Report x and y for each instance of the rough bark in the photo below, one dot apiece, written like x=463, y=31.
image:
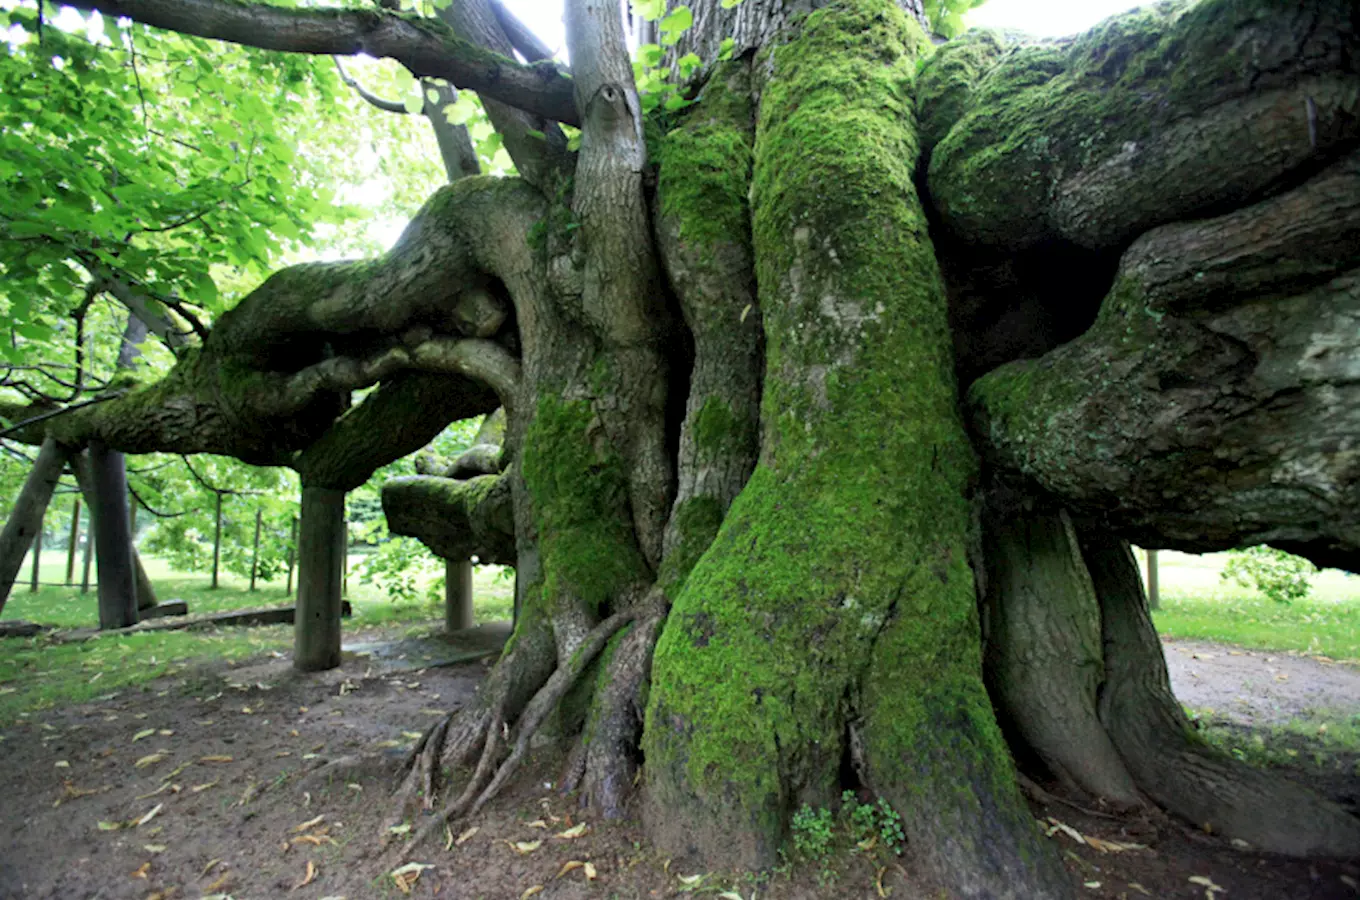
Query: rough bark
x=321, y=556
x=1078, y=140
x=421, y=45
x=1171, y=764
x=455, y=519
x=25, y=519
x=1213, y=403
x=113, y=538
x=1044, y=662
x=837, y=598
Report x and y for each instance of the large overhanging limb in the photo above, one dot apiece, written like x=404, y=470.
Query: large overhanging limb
x=424, y=46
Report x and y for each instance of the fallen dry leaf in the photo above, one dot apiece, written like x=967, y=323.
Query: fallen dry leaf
x=215, y=759
x=309, y=877
x=218, y=884
x=109, y=826
x=590, y=871
x=151, y=814
x=536, y=823
x=149, y=760
x=569, y=866
x=310, y=823
x=200, y=788
x=406, y=876
x=529, y=892
x=878, y=882
x=211, y=864
x=1138, y=887
x=144, y=733
x=466, y=836
x=691, y=880
x=575, y=832
x=1208, y=884
x=523, y=847
x=141, y=871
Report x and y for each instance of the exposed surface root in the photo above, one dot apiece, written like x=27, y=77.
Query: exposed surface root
x=484, y=786
x=609, y=764
x=1175, y=768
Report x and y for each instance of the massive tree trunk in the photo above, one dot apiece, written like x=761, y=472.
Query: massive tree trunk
x=735, y=480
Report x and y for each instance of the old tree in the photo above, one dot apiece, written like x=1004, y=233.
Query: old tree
x=833, y=397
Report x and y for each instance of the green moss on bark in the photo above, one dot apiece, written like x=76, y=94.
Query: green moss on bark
x=579, y=493
x=845, y=553
x=705, y=163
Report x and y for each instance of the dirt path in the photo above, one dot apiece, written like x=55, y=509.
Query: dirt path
x=217, y=765
x=1257, y=687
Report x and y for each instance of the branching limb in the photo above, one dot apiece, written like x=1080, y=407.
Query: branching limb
x=523, y=40
x=372, y=99
x=423, y=47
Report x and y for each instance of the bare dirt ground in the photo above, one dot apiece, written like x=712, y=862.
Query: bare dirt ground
x=205, y=784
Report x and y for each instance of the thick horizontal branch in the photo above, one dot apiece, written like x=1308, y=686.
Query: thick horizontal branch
x=455, y=519
x=424, y=46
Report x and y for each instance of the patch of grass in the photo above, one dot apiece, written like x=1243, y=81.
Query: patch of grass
x=36, y=674
x=1196, y=604
x=1323, y=740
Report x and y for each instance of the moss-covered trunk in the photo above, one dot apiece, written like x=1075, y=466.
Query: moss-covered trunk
x=836, y=604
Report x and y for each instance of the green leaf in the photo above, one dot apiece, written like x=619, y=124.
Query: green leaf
x=687, y=65
x=676, y=23
x=414, y=103
x=650, y=10
x=725, y=48
x=650, y=55
x=461, y=110
x=729, y=4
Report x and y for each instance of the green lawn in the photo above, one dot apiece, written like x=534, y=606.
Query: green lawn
x=1197, y=604
x=36, y=674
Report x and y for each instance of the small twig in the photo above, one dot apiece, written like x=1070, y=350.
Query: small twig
x=151, y=509
x=373, y=99
x=216, y=490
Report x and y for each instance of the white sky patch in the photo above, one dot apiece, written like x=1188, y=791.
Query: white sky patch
x=1046, y=18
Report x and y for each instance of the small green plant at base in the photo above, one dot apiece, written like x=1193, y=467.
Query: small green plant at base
x=813, y=833
x=1280, y=576
x=873, y=823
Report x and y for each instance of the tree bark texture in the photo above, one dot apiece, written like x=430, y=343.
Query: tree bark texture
x=113, y=538
x=1170, y=762
x=735, y=478
x=321, y=554
x=25, y=519
x=836, y=598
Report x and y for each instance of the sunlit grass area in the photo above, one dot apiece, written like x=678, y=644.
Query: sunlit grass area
x=36, y=673
x=1197, y=604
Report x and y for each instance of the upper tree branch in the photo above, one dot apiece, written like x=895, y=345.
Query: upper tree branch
x=523, y=40
x=372, y=99
x=424, y=46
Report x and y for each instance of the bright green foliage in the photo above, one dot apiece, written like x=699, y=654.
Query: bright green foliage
x=813, y=832
x=946, y=16
x=1280, y=576
x=148, y=157
x=184, y=535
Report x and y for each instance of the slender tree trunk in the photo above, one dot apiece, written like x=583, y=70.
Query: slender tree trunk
x=146, y=591
x=255, y=551
x=217, y=537
x=87, y=555
x=292, y=554
x=74, y=541
x=321, y=548
x=37, y=560
x=113, y=538
x=457, y=594
x=1154, y=592
x=25, y=520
